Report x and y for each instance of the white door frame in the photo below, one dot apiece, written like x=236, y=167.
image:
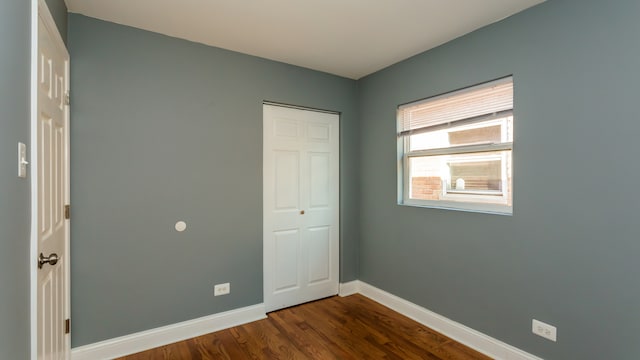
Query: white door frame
x=39, y=8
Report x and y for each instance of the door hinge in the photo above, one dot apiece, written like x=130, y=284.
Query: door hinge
x=67, y=212
x=67, y=326
x=67, y=98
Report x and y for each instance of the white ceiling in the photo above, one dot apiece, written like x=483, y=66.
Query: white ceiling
x=350, y=38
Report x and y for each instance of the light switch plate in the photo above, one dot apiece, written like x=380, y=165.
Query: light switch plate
x=22, y=160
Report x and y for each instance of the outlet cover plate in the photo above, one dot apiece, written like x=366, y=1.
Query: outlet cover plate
x=545, y=330
x=221, y=289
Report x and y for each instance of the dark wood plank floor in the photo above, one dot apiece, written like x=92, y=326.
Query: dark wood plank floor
x=353, y=327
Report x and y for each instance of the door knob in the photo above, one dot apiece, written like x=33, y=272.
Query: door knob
x=51, y=259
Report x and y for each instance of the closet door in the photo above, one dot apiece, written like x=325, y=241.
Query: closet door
x=300, y=206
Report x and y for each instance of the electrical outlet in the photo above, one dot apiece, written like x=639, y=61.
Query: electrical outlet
x=544, y=330
x=221, y=289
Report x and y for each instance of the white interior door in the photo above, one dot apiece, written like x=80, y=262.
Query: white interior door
x=51, y=173
x=300, y=206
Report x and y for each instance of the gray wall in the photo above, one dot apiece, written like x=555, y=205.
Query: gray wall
x=569, y=254
x=154, y=121
x=58, y=10
x=166, y=130
x=14, y=192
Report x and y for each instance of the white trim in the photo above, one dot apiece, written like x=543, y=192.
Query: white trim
x=462, y=149
x=483, y=208
x=465, y=335
x=32, y=174
x=144, y=340
x=350, y=288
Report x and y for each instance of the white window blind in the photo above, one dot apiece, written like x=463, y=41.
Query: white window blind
x=492, y=99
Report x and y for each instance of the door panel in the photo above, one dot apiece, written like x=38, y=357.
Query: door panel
x=286, y=128
x=319, y=132
x=319, y=177
x=44, y=137
x=286, y=260
x=287, y=167
x=320, y=247
x=51, y=175
x=300, y=204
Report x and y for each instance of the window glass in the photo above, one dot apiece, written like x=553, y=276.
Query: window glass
x=459, y=162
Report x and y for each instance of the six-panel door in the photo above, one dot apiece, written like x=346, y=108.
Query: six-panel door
x=52, y=191
x=301, y=206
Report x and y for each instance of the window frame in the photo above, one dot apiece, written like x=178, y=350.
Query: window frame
x=451, y=200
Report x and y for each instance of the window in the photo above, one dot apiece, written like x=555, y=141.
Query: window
x=456, y=149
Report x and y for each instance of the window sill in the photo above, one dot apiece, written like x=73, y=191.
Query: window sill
x=494, y=209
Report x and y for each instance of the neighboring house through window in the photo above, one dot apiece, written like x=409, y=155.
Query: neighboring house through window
x=456, y=149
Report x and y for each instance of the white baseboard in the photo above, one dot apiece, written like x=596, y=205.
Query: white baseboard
x=131, y=344
x=349, y=288
x=149, y=339
x=463, y=334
